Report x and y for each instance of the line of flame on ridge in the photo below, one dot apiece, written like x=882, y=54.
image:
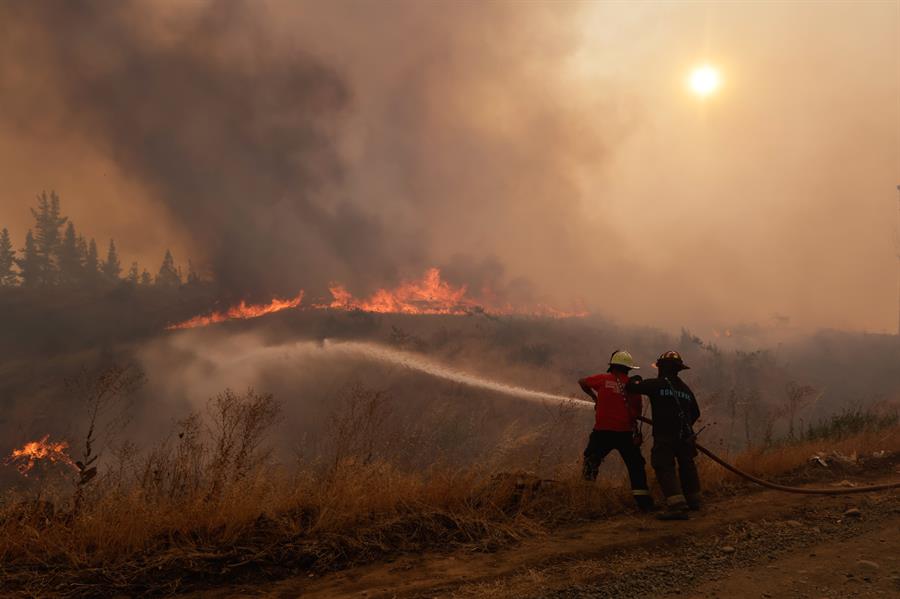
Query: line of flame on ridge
x=29, y=454
x=242, y=311
x=432, y=295
x=429, y=295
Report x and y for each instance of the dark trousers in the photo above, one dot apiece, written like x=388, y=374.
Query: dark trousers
x=665, y=453
x=601, y=443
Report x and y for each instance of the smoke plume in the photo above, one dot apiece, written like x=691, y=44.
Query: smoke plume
x=544, y=151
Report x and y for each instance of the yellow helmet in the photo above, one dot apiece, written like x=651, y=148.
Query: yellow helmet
x=620, y=357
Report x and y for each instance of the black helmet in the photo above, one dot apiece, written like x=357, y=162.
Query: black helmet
x=672, y=359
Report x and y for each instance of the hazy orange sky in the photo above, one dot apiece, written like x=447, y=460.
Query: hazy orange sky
x=556, y=142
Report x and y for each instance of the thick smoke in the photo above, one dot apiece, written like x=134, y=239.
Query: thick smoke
x=236, y=140
x=251, y=135
x=236, y=134
x=547, y=151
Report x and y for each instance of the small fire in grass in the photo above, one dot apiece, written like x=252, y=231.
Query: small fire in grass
x=428, y=295
x=242, y=311
x=26, y=457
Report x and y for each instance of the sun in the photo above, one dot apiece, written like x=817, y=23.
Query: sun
x=704, y=80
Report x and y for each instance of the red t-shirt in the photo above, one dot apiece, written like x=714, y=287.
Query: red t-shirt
x=616, y=410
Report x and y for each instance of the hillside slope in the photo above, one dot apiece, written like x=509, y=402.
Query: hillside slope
x=756, y=543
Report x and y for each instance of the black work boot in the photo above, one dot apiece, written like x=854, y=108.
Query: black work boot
x=676, y=509
x=693, y=502
x=673, y=514
x=590, y=467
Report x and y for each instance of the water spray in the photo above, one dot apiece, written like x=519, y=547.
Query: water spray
x=421, y=364
x=374, y=351
x=410, y=361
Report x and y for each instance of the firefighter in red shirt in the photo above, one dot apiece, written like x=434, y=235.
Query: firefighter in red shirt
x=615, y=425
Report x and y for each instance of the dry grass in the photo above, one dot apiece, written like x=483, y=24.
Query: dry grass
x=209, y=506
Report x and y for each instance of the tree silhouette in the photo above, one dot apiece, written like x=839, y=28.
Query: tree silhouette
x=91, y=264
x=82, y=245
x=111, y=267
x=7, y=260
x=70, y=269
x=133, y=276
x=46, y=236
x=56, y=254
x=168, y=275
x=30, y=264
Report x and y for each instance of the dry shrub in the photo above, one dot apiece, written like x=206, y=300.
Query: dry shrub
x=546, y=450
x=356, y=428
x=239, y=425
x=206, y=456
x=105, y=394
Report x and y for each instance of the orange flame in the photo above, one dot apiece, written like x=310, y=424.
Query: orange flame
x=429, y=295
x=26, y=457
x=242, y=311
x=432, y=295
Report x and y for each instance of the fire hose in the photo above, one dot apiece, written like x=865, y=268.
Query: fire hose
x=786, y=489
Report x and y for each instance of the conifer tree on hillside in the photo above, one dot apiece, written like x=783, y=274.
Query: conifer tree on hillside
x=111, y=267
x=81, y=243
x=56, y=254
x=91, y=263
x=30, y=265
x=70, y=269
x=47, y=237
x=134, y=276
x=168, y=275
x=7, y=260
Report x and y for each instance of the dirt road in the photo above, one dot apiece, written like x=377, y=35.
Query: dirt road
x=756, y=544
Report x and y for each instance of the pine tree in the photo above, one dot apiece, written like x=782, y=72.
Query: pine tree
x=82, y=245
x=146, y=279
x=133, y=275
x=7, y=260
x=30, y=263
x=111, y=267
x=46, y=237
x=91, y=263
x=168, y=275
x=70, y=269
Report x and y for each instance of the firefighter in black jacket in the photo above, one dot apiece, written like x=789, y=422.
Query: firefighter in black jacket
x=675, y=411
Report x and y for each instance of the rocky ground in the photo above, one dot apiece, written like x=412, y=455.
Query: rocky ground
x=753, y=544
